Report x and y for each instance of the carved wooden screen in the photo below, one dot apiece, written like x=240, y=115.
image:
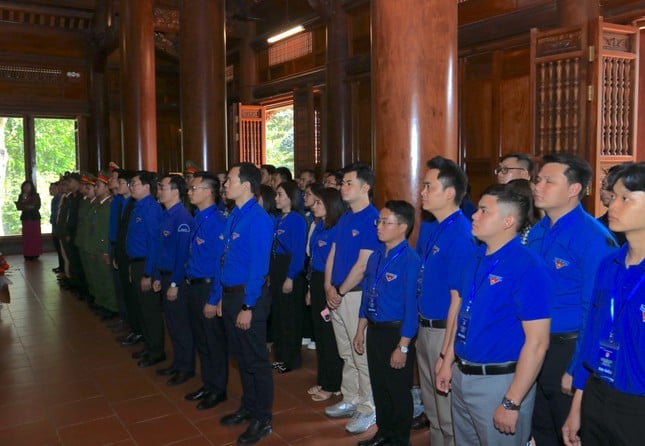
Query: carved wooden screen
x=614, y=108
x=558, y=73
x=250, y=134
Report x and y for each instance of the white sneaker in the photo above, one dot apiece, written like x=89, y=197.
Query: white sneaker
x=360, y=422
x=311, y=346
x=306, y=341
x=340, y=410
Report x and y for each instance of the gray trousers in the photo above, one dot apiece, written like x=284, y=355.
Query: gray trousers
x=474, y=400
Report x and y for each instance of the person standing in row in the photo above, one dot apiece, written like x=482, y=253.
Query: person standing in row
x=246, y=301
x=29, y=204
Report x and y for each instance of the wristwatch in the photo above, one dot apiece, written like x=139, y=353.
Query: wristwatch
x=509, y=404
x=339, y=293
x=245, y=307
x=403, y=348
x=173, y=285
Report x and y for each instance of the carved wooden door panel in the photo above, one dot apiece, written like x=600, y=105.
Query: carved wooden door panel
x=248, y=134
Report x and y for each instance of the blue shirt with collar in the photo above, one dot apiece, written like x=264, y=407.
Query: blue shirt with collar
x=248, y=239
x=356, y=231
x=627, y=285
x=320, y=245
x=443, y=248
x=572, y=250
x=394, y=277
x=176, y=233
x=143, y=232
x=510, y=286
x=206, y=248
x=290, y=238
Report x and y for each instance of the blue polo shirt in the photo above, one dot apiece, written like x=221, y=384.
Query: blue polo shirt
x=143, y=232
x=394, y=277
x=572, y=250
x=443, y=248
x=627, y=285
x=176, y=233
x=355, y=231
x=248, y=238
x=320, y=245
x=290, y=239
x=502, y=289
x=206, y=248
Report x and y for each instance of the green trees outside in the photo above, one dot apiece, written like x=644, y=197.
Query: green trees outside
x=55, y=142
x=279, y=129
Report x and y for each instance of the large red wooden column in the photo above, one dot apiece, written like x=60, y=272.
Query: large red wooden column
x=138, y=87
x=203, y=82
x=414, y=92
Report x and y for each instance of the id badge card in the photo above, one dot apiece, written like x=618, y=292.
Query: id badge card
x=607, y=355
x=463, y=323
x=372, y=295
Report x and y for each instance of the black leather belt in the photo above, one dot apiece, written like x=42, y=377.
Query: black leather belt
x=561, y=338
x=198, y=280
x=163, y=272
x=389, y=324
x=136, y=259
x=234, y=289
x=432, y=323
x=486, y=369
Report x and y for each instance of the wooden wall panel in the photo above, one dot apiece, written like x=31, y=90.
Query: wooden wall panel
x=361, y=115
x=514, y=115
x=477, y=118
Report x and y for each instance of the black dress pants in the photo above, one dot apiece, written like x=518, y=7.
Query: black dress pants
x=148, y=304
x=177, y=315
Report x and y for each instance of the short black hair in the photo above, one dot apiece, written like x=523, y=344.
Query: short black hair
x=251, y=174
x=309, y=171
x=509, y=194
x=177, y=182
x=632, y=175
x=404, y=213
x=284, y=173
x=149, y=178
x=363, y=173
x=523, y=159
x=270, y=168
x=522, y=186
x=450, y=175
x=210, y=181
x=578, y=169
x=125, y=174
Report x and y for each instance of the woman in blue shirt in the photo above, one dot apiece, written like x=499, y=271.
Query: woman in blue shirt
x=608, y=407
x=287, y=278
x=327, y=208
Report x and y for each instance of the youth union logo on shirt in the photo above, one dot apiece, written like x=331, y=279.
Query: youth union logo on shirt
x=560, y=263
x=137, y=220
x=280, y=231
x=235, y=235
x=435, y=249
x=183, y=228
x=390, y=277
x=355, y=232
x=643, y=312
x=493, y=279
x=321, y=243
x=199, y=240
x=166, y=233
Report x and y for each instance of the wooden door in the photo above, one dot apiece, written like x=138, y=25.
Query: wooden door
x=248, y=134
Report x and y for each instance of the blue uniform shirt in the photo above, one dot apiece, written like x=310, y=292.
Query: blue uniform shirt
x=248, y=238
x=143, y=232
x=290, y=238
x=355, y=231
x=320, y=245
x=394, y=280
x=510, y=286
x=206, y=248
x=443, y=248
x=628, y=287
x=176, y=232
x=572, y=250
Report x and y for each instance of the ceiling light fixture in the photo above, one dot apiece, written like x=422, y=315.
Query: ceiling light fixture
x=288, y=33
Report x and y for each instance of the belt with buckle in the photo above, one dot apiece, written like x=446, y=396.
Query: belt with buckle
x=432, y=323
x=561, y=338
x=388, y=324
x=198, y=280
x=485, y=369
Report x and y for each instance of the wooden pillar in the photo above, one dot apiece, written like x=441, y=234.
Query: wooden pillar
x=203, y=83
x=99, y=146
x=414, y=92
x=337, y=153
x=248, y=66
x=138, y=88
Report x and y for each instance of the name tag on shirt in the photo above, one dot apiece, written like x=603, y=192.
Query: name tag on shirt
x=371, y=296
x=607, y=354
x=463, y=323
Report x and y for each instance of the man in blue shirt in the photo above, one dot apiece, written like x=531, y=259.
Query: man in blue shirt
x=442, y=245
x=355, y=241
x=246, y=302
x=204, y=292
x=170, y=271
x=142, y=244
x=609, y=403
x=389, y=311
x=571, y=243
x=502, y=330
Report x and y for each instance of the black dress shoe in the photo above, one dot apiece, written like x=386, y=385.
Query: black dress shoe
x=180, y=378
x=377, y=440
x=256, y=431
x=147, y=361
x=197, y=395
x=212, y=400
x=235, y=418
x=132, y=339
x=420, y=422
x=140, y=354
x=167, y=371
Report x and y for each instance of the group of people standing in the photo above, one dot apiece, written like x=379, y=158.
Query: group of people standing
x=505, y=313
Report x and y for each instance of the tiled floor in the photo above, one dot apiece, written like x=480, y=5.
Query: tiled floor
x=65, y=381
